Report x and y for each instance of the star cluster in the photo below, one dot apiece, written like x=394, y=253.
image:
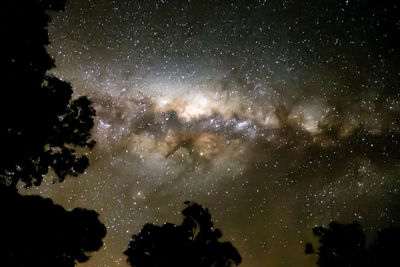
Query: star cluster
x=277, y=115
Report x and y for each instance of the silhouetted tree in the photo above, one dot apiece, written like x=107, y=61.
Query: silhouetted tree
x=385, y=249
x=194, y=243
x=344, y=245
x=341, y=245
x=36, y=232
x=39, y=123
x=40, y=128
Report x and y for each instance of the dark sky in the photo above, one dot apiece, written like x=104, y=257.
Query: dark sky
x=276, y=115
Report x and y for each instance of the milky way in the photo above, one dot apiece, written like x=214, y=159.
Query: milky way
x=276, y=115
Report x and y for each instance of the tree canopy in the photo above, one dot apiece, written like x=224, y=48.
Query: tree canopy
x=344, y=245
x=41, y=125
x=40, y=128
x=36, y=232
x=193, y=243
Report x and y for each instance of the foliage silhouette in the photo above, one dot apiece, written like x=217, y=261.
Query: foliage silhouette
x=40, y=124
x=385, y=248
x=194, y=243
x=36, y=232
x=40, y=128
x=344, y=245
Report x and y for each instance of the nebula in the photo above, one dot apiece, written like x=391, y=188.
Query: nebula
x=275, y=119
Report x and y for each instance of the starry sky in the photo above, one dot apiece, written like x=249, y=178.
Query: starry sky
x=276, y=115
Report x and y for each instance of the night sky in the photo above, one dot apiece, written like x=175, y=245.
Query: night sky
x=278, y=116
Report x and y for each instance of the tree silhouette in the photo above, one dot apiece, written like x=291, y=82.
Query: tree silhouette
x=36, y=232
x=40, y=128
x=40, y=124
x=194, y=243
x=383, y=251
x=344, y=245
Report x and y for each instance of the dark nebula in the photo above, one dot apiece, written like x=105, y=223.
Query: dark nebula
x=278, y=116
